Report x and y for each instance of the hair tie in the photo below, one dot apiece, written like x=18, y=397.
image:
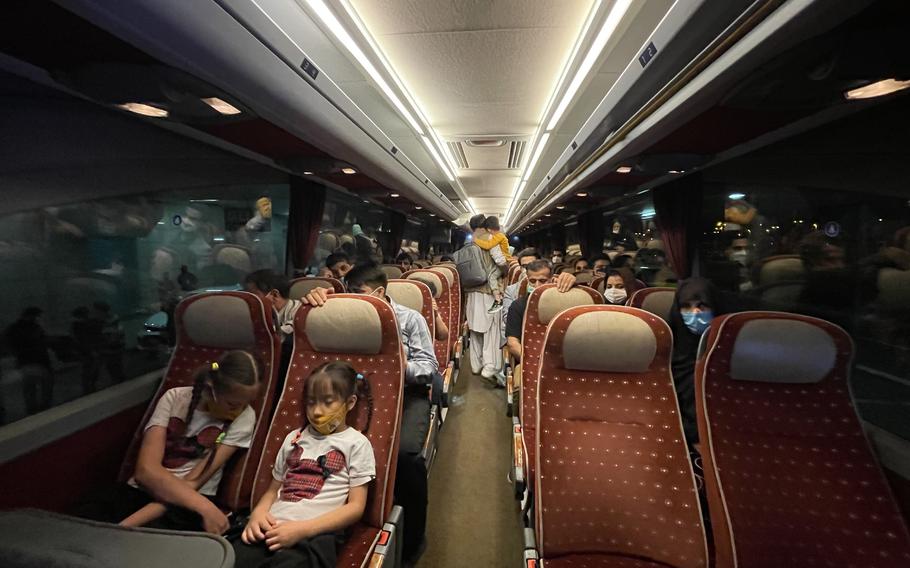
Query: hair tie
x=214, y=366
x=359, y=377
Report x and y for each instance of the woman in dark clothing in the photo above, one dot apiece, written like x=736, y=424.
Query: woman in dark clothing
x=697, y=302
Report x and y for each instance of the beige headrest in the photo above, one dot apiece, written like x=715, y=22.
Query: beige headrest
x=233, y=256
x=392, y=271
x=584, y=277
x=429, y=277
x=552, y=301
x=406, y=293
x=659, y=303
x=894, y=288
x=609, y=341
x=345, y=325
x=450, y=278
x=782, y=351
x=302, y=287
x=219, y=320
x=779, y=269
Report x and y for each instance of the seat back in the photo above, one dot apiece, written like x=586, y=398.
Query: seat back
x=415, y=295
x=444, y=299
x=584, y=276
x=598, y=284
x=392, y=270
x=208, y=325
x=300, y=287
x=785, y=267
x=658, y=301
x=790, y=477
x=514, y=273
x=613, y=472
x=543, y=305
x=455, y=317
x=362, y=330
x=234, y=256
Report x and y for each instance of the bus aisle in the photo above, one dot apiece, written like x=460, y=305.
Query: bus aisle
x=473, y=518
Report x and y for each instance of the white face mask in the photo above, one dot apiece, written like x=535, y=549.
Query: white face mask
x=615, y=295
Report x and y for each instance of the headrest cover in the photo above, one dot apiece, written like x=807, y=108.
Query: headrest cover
x=345, y=325
x=609, y=341
x=782, y=351
x=552, y=301
x=430, y=277
x=406, y=293
x=779, y=269
x=218, y=320
x=392, y=271
x=302, y=287
x=659, y=303
x=450, y=278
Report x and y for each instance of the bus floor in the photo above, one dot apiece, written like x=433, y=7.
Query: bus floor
x=473, y=517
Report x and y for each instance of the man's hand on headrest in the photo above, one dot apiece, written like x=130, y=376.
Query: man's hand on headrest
x=316, y=297
x=564, y=281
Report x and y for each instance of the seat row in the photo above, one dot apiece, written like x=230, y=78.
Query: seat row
x=604, y=471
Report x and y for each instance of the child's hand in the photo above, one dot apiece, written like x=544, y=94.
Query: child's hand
x=257, y=526
x=286, y=534
x=214, y=521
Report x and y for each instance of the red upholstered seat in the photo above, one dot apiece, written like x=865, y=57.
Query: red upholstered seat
x=445, y=298
x=545, y=302
x=392, y=270
x=658, y=301
x=363, y=330
x=457, y=315
x=790, y=477
x=208, y=325
x=300, y=287
x=614, y=485
x=415, y=295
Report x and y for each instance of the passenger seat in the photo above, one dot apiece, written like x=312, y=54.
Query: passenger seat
x=790, y=477
x=362, y=330
x=614, y=484
x=658, y=301
x=300, y=287
x=207, y=326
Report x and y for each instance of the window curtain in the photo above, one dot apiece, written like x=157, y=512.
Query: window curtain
x=677, y=206
x=591, y=233
x=304, y=219
x=396, y=233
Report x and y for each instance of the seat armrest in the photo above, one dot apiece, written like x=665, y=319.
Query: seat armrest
x=387, y=551
x=510, y=393
x=518, y=459
x=531, y=558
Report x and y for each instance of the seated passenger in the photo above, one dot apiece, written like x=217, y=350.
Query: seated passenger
x=275, y=288
x=319, y=482
x=600, y=264
x=580, y=264
x=404, y=261
x=697, y=302
x=339, y=263
x=191, y=435
x=537, y=272
x=411, y=478
x=619, y=285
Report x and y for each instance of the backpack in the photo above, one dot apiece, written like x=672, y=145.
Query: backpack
x=470, y=266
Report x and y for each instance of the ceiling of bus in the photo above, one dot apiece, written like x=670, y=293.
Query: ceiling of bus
x=487, y=70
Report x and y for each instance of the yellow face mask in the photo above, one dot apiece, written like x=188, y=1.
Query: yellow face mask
x=328, y=423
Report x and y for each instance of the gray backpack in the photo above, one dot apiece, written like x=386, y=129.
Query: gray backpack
x=470, y=265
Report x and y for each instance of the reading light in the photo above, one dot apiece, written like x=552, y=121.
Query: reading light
x=582, y=194
x=736, y=196
x=221, y=106
x=603, y=36
x=432, y=214
x=307, y=173
x=537, y=152
x=348, y=171
x=393, y=195
x=433, y=152
x=418, y=208
x=560, y=207
x=144, y=109
x=547, y=214
x=674, y=171
x=624, y=170
x=877, y=89
x=342, y=35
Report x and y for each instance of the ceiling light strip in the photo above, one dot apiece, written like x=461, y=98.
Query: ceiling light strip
x=439, y=161
x=342, y=35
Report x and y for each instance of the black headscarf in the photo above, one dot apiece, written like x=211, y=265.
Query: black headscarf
x=685, y=347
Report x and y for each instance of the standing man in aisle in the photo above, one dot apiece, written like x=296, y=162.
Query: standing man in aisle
x=484, y=325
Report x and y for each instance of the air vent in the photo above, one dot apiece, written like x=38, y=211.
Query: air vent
x=457, y=152
x=516, y=151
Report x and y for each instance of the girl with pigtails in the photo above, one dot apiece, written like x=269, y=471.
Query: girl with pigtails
x=189, y=438
x=319, y=482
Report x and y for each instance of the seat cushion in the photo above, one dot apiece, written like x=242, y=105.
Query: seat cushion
x=357, y=547
x=41, y=539
x=598, y=561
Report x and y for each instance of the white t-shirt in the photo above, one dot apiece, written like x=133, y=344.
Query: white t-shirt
x=317, y=472
x=184, y=450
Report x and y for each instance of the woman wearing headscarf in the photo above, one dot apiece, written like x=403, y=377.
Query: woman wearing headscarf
x=697, y=302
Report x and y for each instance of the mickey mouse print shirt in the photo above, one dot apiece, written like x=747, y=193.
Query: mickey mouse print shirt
x=186, y=446
x=317, y=472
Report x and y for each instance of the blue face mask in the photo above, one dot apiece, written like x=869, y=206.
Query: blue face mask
x=697, y=322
